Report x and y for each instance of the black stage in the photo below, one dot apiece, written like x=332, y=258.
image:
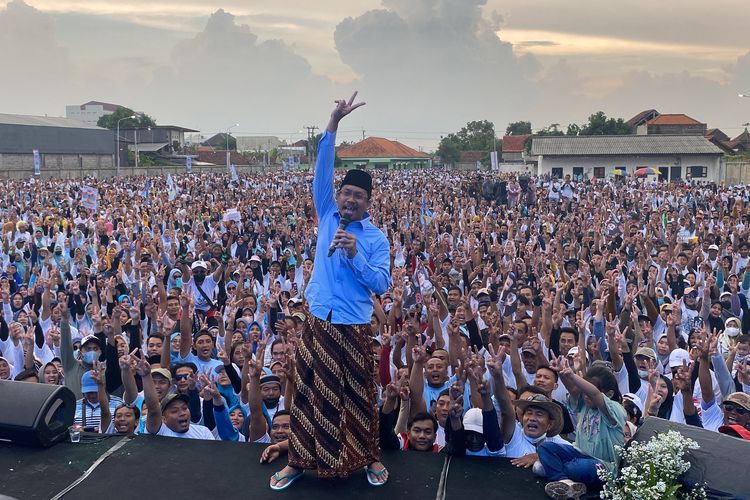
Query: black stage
x=166, y=468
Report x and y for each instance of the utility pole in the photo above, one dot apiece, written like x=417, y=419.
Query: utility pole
x=363, y=133
x=311, y=140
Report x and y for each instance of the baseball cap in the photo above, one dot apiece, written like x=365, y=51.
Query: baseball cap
x=739, y=398
x=483, y=291
x=163, y=372
x=635, y=399
x=528, y=347
x=270, y=379
x=90, y=338
x=713, y=247
x=255, y=258
x=646, y=351
x=198, y=264
x=473, y=420
x=300, y=316
x=677, y=356
x=172, y=397
x=88, y=384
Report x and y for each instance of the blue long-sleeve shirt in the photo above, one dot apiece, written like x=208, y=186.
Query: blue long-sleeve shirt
x=341, y=285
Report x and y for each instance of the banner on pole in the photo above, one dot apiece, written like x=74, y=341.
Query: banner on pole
x=37, y=163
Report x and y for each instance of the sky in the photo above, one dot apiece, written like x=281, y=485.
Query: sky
x=424, y=67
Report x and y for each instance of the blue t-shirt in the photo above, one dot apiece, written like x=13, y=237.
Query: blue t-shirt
x=203, y=366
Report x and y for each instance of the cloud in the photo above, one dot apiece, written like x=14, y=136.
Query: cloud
x=225, y=74
x=428, y=63
x=31, y=58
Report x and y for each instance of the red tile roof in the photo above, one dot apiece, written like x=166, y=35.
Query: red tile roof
x=378, y=147
x=514, y=143
x=675, y=119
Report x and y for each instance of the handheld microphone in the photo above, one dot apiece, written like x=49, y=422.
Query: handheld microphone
x=342, y=225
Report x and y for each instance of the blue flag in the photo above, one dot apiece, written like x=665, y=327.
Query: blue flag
x=146, y=189
x=171, y=188
x=425, y=214
x=235, y=177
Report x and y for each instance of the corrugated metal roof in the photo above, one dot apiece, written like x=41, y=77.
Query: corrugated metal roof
x=622, y=145
x=44, y=121
x=148, y=147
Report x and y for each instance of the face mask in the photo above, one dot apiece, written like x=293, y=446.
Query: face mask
x=660, y=300
x=726, y=304
x=178, y=282
x=536, y=440
x=732, y=331
x=90, y=356
x=75, y=353
x=643, y=374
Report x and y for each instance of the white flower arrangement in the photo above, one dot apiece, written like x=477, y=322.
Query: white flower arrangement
x=651, y=470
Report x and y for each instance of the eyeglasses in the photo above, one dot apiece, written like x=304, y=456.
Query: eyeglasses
x=181, y=377
x=739, y=410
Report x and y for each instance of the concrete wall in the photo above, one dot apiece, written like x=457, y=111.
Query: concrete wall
x=631, y=163
x=738, y=172
x=17, y=166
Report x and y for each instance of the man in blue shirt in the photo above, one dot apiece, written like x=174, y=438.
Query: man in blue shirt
x=334, y=419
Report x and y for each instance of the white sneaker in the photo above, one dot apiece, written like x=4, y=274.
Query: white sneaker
x=565, y=489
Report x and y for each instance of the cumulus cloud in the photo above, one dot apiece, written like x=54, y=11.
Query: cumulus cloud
x=224, y=73
x=31, y=58
x=438, y=62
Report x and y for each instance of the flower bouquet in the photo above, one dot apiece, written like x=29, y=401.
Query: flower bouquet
x=651, y=470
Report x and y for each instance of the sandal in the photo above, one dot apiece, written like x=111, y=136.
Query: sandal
x=377, y=474
x=289, y=477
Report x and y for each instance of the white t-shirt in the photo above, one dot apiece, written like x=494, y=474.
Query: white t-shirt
x=520, y=445
x=712, y=417
x=208, y=286
x=195, y=431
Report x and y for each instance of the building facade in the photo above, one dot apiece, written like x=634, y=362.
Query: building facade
x=380, y=153
x=64, y=148
x=90, y=112
x=675, y=157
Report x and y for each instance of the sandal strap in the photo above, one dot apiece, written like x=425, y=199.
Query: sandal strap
x=377, y=473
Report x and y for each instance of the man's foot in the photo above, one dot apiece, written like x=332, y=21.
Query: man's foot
x=377, y=474
x=565, y=489
x=285, y=477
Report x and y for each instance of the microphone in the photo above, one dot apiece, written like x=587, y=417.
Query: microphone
x=342, y=225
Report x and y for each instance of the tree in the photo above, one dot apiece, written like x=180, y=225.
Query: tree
x=573, y=130
x=110, y=121
x=518, y=128
x=552, y=130
x=599, y=124
x=448, y=149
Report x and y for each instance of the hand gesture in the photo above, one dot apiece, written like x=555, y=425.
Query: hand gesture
x=496, y=360
x=344, y=107
x=142, y=367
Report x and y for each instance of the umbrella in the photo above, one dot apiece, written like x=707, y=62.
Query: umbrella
x=619, y=172
x=647, y=171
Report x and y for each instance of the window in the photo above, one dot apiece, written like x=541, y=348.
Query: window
x=675, y=173
x=578, y=173
x=697, y=171
x=599, y=172
x=557, y=172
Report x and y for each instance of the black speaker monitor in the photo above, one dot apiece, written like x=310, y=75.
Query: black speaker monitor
x=35, y=414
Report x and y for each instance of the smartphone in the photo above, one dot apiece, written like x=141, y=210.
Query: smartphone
x=281, y=316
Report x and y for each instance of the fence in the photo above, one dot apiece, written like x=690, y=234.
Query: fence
x=737, y=172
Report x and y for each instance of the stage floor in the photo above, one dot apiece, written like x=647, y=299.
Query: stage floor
x=167, y=468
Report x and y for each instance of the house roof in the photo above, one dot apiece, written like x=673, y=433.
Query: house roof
x=471, y=156
x=622, y=145
x=641, y=117
x=105, y=105
x=674, y=119
x=514, y=143
x=175, y=127
x=744, y=137
x=378, y=147
x=44, y=121
x=717, y=134
x=148, y=147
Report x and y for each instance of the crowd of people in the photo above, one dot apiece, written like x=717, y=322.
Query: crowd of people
x=543, y=327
